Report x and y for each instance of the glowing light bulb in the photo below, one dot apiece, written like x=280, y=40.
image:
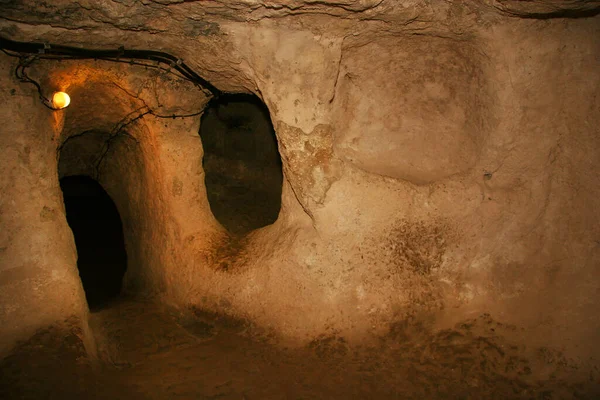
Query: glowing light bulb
x=60, y=100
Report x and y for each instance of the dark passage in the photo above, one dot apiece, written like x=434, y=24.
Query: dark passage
x=96, y=225
x=242, y=164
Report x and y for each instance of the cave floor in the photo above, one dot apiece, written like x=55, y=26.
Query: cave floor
x=149, y=352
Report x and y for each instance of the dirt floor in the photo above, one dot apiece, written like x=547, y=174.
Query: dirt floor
x=147, y=351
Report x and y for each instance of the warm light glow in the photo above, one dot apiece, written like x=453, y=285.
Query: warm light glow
x=60, y=100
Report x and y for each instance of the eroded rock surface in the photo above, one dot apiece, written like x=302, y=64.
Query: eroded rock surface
x=439, y=160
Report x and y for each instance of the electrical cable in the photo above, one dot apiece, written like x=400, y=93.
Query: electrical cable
x=53, y=51
x=58, y=52
x=28, y=52
x=21, y=75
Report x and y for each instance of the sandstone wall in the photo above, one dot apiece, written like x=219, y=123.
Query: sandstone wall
x=439, y=163
x=39, y=284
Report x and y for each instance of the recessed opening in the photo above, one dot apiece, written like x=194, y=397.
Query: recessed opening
x=98, y=232
x=242, y=165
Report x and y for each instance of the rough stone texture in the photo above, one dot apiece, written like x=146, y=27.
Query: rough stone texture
x=434, y=112
x=440, y=161
x=548, y=8
x=38, y=276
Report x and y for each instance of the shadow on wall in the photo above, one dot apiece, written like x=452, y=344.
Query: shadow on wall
x=98, y=232
x=243, y=170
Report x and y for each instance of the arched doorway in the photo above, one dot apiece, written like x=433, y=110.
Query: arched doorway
x=98, y=232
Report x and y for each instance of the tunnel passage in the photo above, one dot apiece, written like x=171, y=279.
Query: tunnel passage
x=98, y=232
x=243, y=170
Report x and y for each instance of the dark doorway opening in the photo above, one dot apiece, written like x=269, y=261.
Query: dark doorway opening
x=98, y=232
x=242, y=165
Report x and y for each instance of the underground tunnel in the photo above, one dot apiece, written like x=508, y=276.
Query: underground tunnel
x=433, y=234
x=242, y=165
x=98, y=232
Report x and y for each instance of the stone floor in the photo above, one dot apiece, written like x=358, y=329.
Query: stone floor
x=147, y=351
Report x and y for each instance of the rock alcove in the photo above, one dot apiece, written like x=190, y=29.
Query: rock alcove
x=421, y=204
x=241, y=162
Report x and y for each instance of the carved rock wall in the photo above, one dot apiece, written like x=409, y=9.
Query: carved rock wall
x=439, y=161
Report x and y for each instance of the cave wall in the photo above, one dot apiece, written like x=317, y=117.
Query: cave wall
x=39, y=284
x=138, y=165
x=439, y=162
x=150, y=164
